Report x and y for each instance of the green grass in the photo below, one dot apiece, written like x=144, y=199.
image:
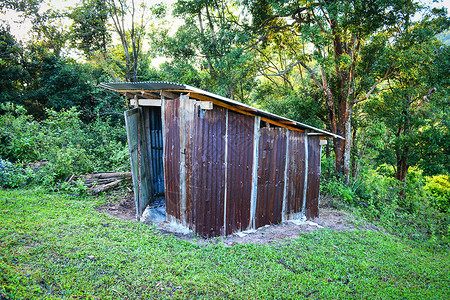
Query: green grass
x=56, y=246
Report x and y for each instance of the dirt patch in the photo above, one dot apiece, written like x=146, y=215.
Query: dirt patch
x=120, y=205
x=123, y=207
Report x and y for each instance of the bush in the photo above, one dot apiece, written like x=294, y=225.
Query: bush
x=417, y=211
x=20, y=135
x=13, y=176
x=65, y=162
x=69, y=145
x=439, y=188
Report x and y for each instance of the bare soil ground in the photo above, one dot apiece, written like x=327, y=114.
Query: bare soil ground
x=122, y=206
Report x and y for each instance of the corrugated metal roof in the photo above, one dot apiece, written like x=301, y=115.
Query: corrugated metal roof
x=171, y=86
x=145, y=86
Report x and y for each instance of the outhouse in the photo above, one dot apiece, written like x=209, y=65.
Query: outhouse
x=221, y=166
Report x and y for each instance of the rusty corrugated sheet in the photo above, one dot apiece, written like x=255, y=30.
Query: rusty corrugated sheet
x=271, y=164
x=296, y=173
x=208, y=180
x=239, y=171
x=172, y=157
x=312, y=194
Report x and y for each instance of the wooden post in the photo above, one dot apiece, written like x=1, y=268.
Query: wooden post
x=138, y=154
x=305, y=187
x=284, y=216
x=254, y=192
x=226, y=175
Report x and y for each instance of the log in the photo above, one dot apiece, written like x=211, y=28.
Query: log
x=112, y=175
x=105, y=187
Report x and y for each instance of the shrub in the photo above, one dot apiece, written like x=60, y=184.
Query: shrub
x=20, y=138
x=13, y=176
x=69, y=145
x=439, y=188
x=65, y=162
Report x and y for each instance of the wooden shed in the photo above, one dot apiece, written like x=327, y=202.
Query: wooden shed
x=221, y=166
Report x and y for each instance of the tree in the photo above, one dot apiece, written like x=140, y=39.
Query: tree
x=89, y=30
x=11, y=70
x=337, y=33
x=210, y=41
x=408, y=105
x=130, y=19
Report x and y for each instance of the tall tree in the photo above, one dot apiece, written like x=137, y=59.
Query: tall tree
x=210, y=41
x=409, y=105
x=337, y=32
x=11, y=70
x=130, y=18
x=89, y=30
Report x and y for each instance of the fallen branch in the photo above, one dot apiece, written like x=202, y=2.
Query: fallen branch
x=105, y=187
x=102, y=181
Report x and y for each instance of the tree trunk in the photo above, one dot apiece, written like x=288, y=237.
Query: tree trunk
x=343, y=147
x=402, y=171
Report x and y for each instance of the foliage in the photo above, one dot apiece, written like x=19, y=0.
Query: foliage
x=13, y=175
x=110, y=258
x=11, y=70
x=296, y=105
x=439, y=187
x=21, y=137
x=69, y=145
x=210, y=42
x=413, y=211
x=89, y=31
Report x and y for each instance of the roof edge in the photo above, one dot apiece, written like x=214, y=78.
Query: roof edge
x=170, y=86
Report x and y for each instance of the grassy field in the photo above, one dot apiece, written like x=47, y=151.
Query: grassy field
x=55, y=246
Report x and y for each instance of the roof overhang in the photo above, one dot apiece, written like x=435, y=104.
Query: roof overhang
x=157, y=89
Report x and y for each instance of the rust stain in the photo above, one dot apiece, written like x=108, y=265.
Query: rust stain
x=296, y=172
x=272, y=156
x=239, y=171
x=172, y=157
x=312, y=194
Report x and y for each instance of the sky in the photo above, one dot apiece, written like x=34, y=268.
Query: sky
x=20, y=29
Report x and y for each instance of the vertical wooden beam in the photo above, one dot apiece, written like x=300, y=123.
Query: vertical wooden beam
x=182, y=113
x=163, y=131
x=226, y=174
x=139, y=154
x=305, y=187
x=148, y=146
x=284, y=216
x=254, y=192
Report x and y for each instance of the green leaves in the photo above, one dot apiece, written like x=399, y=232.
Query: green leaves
x=89, y=30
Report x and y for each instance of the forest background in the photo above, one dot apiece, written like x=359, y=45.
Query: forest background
x=375, y=72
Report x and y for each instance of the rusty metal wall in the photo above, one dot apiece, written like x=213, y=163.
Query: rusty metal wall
x=208, y=170
x=295, y=174
x=172, y=157
x=208, y=180
x=240, y=133
x=271, y=164
x=312, y=194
